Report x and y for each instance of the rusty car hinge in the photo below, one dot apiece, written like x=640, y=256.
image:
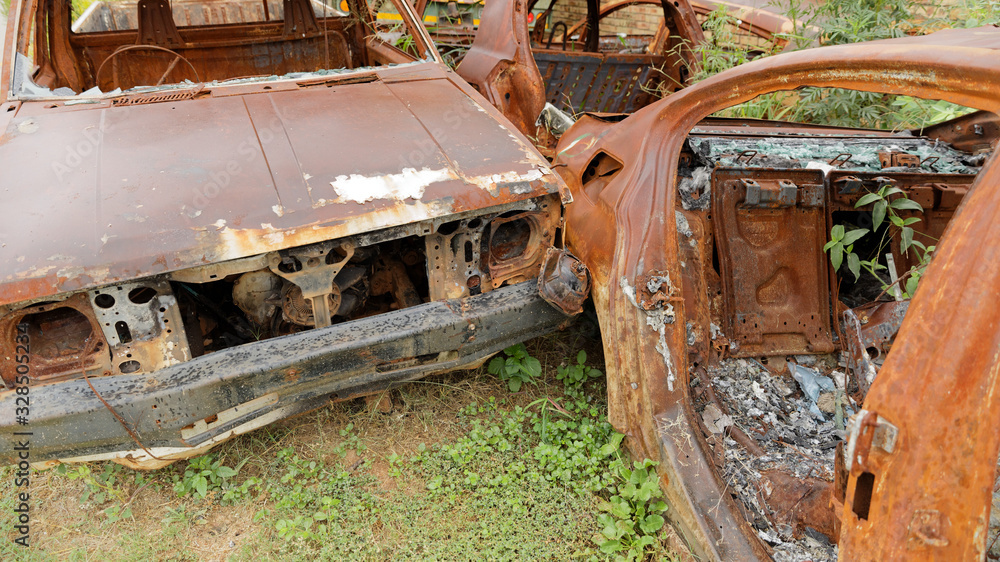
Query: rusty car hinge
x=770, y=193
x=898, y=159
x=655, y=291
x=865, y=431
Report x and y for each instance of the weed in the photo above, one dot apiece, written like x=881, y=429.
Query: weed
x=517, y=369
x=575, y=375
x=886, y=203
x=101, y=487
x=502, y=476
x=632, y=517
x=202, y=475
x=839, y=22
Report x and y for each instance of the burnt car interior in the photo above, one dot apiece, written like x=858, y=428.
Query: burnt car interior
x=151, y=43
x=587, y=66
x=587, y=69
x=782, y=346
x=793, y=344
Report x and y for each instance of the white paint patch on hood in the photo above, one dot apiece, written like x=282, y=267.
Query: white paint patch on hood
x=491, y=183
x=408, y=184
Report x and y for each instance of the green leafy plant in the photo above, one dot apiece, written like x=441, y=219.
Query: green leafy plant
x=842, y=243
x=202, y=475
x=517, y=368
x=839, y=22
x=886, y=204
x=574, y=375
x=101, y=487
x=632, y=518
x=723, y=48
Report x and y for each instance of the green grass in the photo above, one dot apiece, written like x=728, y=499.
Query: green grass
x=460, y=469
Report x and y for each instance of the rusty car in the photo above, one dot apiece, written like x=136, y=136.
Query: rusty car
x=221, y=220
x=723, y=317
x=545, y=80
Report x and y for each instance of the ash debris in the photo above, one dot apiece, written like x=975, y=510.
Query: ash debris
x=782, y=420
x=796, y=438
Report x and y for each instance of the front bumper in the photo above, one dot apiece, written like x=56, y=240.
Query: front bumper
x=208, y=399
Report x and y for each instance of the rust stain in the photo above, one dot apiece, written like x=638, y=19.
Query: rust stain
x=939, y=384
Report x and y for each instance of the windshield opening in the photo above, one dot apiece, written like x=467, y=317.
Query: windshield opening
x=93, y=49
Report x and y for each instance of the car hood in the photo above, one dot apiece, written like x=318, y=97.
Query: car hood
x=106, y=192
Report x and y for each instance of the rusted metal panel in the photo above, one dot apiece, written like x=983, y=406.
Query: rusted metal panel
x=932, y=484
x=774, y=272
x=272, y=172
x=600, y=82
x=975, y=132
x=58, y=337
x=500, y=66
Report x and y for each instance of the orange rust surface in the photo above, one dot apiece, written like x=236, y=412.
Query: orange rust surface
x=165, y=186
x=500, y=65
x=939, y=386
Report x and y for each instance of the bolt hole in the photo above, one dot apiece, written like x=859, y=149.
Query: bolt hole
x=129, y=366
x=141, y=295
x=124, y=334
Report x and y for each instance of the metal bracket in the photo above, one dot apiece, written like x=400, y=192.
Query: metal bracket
x=142, y=324
x=864, y=431
x=848, y=185
x=307, y=267
x=770, y=193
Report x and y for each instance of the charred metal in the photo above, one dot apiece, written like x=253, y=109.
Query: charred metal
x=794, y=408
x=254, y=218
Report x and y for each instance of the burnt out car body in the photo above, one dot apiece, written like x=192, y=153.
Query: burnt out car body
x=705, y=238
x=221, y=225
x=583, y=66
